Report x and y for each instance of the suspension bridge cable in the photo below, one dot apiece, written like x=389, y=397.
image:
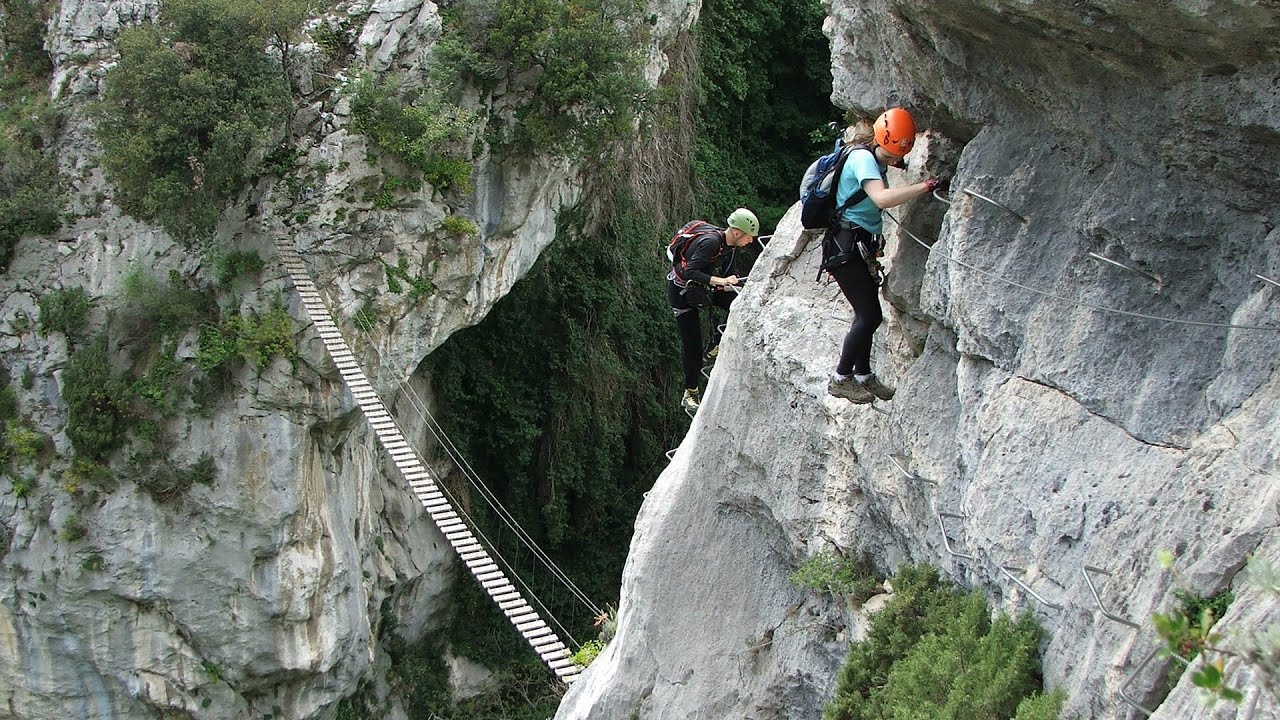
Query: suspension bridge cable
x=1073, y=301
x=419, y=406
x=478, y=532
x=437, y=431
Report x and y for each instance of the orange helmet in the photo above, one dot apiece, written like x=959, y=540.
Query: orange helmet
x=895, y=131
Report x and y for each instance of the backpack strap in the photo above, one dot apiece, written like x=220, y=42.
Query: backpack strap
x=858, y=196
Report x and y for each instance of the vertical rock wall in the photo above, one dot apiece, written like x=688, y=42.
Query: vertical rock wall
x=261, y=594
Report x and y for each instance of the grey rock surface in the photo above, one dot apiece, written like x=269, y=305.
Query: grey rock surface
x=261, y=594
x=1039, y=395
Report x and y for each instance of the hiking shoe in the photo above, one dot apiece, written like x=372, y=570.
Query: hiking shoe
x=690, y=400
x=850, y=390
x=711, y=355
x=873, y=385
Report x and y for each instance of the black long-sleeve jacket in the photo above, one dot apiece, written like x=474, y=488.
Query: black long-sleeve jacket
x=704, y=254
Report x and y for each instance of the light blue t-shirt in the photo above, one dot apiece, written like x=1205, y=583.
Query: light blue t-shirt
x=860, y=166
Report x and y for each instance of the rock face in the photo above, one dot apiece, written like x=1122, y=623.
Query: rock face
x=261, y=594
x=1040, y=398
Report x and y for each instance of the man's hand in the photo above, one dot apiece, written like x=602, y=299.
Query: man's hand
x=935, y=184
x=725, y=282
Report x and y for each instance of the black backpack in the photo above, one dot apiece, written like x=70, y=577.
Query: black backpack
x=818, y=188
x=684, y=237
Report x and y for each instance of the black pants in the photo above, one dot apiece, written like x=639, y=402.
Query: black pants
x=689, y=323
x=860, y=289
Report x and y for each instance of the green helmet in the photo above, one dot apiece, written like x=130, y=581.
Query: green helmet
x=745, y=220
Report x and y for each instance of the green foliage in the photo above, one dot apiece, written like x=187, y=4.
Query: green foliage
x=766, y=84
x=65, y=311
x=87, y=473
x=161, y=386
x=30, y=192
x=1187, y=631
x=93, y=563
x=23, y=444
x=419, y=285
x=163, y=481
x=458, y=225
x=934, y=652
x=854, y=578
x=156, y=309
x=1041, y=706
x=236, y=264
x=575, y=64
x=424, y=132
x=99, y=412
x=188, y=107
x=589, y=651
x=566, y=397
x=73, y=529
x=366, y=318
x=255, y=337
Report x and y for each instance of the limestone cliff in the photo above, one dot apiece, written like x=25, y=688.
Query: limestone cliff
x=258, y=595
x=1064, y=434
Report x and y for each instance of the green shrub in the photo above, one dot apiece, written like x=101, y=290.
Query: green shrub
x=187, y=108
x=935, y=652
x=256, y=337
x=1045, y=706
x=586, y=654
x=424, y=132
x=458, y=225
x=237, y=264
x=576, y=65
x=99, y=413
x=30, y=189
x=87, y=473
x=419, y=285
x=161, y=386
x=73, y=529
x=156, y=309
x=23, y=443
x=827, y=572
x=366, y=318
x=163, y=481
x=65, y=311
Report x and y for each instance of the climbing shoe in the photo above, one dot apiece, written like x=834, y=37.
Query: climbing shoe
x=872, y=384
x=849, y=389
x=690, y=401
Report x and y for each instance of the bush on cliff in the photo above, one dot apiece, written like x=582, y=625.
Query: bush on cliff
x=189, y=110
x=935, y=652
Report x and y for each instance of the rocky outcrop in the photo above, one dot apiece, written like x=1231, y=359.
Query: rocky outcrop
x=259, y=595
x=1041, y=397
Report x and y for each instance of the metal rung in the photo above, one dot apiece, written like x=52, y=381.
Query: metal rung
x=529, y=625
x=562, y=663
x=558, y=650
x=1266, y=279
x=1005, y=569
x=509, y=600
x=541, y=632
x=1133, y=270
x=488, y=572
x=1085, y=570
x=490, y=585
x=971, y=193
x=516, y=617
x=945, y=541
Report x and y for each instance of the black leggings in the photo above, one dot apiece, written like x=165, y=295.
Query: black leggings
x=863, y=294
x=689, y=323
